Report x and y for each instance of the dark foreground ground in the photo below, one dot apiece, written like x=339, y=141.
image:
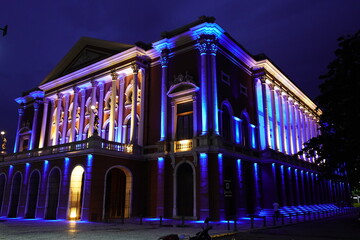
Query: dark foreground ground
x=344, y=227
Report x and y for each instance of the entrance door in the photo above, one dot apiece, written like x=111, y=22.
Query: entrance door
x=33, y=195
x=76, y=193
x=115, y=194
x=15, y=195
x=185, y=190
x=53, y=194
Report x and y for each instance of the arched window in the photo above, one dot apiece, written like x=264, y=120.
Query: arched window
x=245, y=132
x=15, y=195
x=53, y=194
x=226, y=124
x=184, y=122
x=33, y=192
x=76, y=193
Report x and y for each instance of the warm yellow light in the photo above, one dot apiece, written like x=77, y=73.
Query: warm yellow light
x=183, y=145
x=75, y=193
x=2, y=132
x=93, y=107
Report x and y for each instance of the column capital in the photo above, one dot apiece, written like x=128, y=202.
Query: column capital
x=36, y=105
x=114, y=75
x=207, y=43
x=135, y=68
x=164, y=57
x=20, y=111
x=59, y=96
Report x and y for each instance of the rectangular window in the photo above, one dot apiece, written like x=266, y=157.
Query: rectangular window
x=225, y=78
x=243, y=90
x=184, y=126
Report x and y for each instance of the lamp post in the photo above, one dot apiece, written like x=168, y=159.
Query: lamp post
x=96, y=119
x=3, y=142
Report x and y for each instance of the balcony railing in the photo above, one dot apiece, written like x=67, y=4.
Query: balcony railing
x=183, y=145
x=94, y=142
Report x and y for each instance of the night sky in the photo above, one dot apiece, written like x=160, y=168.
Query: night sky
x=298, y=36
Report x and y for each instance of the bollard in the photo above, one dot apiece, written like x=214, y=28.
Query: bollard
x=290, y=219
x=252, y=221
x=228, y=220
x=182, y=221
x=282, y=219
x=235, y=224
x=141, y=218
x=264, y=225
x=161, y=220
x=274, y=221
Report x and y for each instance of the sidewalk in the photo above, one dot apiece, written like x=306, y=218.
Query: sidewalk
x=133, y=229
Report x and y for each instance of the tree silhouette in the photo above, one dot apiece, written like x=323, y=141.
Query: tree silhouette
x=337, y=148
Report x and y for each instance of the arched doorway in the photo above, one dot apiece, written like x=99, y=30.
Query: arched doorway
x=33, y=194
x=53, y=194
x=76, y=193
x=2, y=188
x=15, y=195
x=185, y=190
x=118, y=187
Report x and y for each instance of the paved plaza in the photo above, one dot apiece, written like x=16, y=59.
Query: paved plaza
x=132, y=229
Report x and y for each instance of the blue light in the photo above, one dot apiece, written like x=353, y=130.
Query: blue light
x=27, y=165
x=253, y=139
x=161, y=164
x=46, y=165
x=237, y=130
x=270, y=113
x=90, y=158
x=260, y=115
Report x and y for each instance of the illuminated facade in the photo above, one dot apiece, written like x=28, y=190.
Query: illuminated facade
x=191, y=125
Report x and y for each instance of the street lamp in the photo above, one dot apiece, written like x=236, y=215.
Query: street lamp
x=3, y=142
x=96, y=119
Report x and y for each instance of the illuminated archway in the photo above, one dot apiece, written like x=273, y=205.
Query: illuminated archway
x=15, y=195
x=53, y=194
x=33, y=192
x=184, y=190
x=118, y=191
x=76, y=193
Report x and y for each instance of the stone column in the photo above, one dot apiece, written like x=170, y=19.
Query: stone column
x=66, y=117
x=133, y=134
x=114, y=77
x=295, y=131
x=21, y=114
x=174, y=120
x=34, y=125
x=164, y=60
x=93, y=103
x=282, y=126
x=203, y=84
x=73, y=117
x=266, y=113
x=289, y=131
x=142, y=87
x=274, y=118
x=301, y=128
x=82, y=113
x=101, y=106
x=214, y=99
x=44, y=123
x=57, y=119
x=195, y=115
x=52, y=120
x=121, y=107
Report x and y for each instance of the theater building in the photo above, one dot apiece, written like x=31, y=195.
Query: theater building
x=191, y=125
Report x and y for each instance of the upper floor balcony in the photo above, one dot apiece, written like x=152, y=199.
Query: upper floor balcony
x=94, y=143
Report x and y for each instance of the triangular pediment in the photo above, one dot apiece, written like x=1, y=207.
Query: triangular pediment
x=84, y=53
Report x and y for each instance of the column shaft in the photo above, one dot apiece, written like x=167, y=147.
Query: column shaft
x=133, y=134
x=121, y=107
x=74, y=114
x=274, y=118
x=266, y=113
x=44, y=124
x=114, y=77
x=65, y=121
x=34, y=125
